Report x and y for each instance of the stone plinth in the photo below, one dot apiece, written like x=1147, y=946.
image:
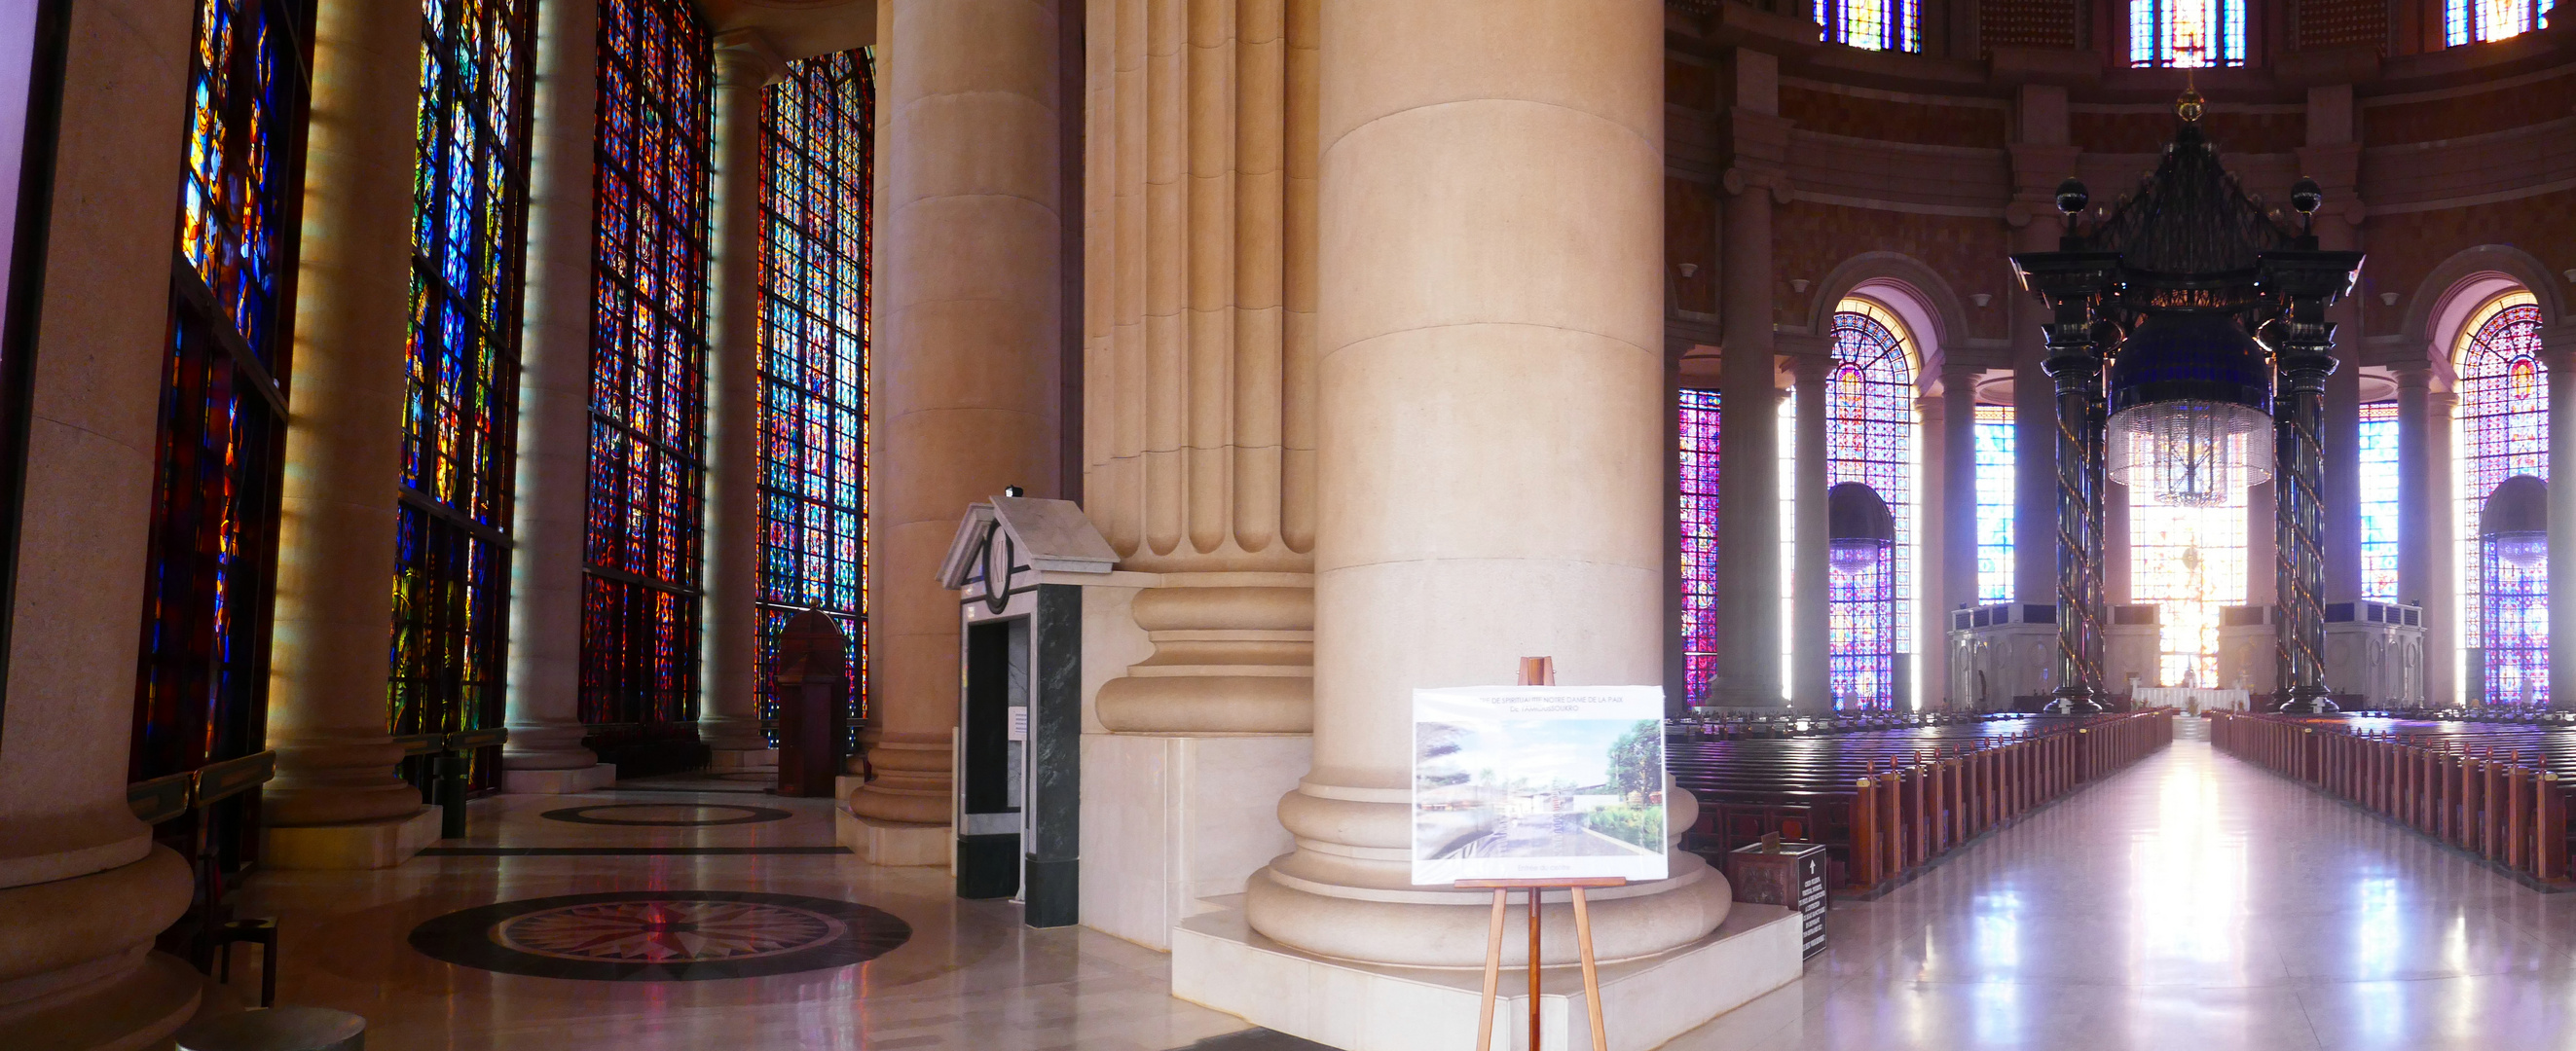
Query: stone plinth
x=559, y=782
x=379, y=844
x=1195, y=815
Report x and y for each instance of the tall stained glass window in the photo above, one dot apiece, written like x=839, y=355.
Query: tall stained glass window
x=1995, y=501
x=2504, y=431
x=2478, y=21
x=1869, y=439
x=816, y=138
x=1875, y=25
x=460, y=413
x=1699, y=461
x=2379, y=486
x=2182, y=34
x=2189, y=562
x=648, y=356
x=210, y=571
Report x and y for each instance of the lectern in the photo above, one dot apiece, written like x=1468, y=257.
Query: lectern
x=811, y=673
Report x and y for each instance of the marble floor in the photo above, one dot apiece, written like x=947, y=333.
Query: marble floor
x=2190, y=902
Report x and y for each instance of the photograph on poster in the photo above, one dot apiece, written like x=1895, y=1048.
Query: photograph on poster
x=1538, y=782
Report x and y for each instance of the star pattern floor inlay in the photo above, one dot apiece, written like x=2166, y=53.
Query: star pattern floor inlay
x=661, y=935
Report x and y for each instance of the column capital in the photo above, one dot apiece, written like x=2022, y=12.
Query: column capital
x=744, y=58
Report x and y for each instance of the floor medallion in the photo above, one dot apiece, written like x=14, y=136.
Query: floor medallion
x=667, y=815
x=661, y=936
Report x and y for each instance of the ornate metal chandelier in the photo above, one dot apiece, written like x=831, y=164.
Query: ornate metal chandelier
x=2191, y=410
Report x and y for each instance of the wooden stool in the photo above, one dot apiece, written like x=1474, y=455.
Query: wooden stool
x=261, y=929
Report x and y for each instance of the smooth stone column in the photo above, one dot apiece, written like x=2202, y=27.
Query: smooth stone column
x=1490, y=395
x=1748, y=506
x=2442, y=576
x=1810, y=572
x=83, y=889
x=729, y=705
x=2558, y=353
x=327, y=717
x=1957, y=513
x=545, y=753
x=2034, y=447
x=965, y=398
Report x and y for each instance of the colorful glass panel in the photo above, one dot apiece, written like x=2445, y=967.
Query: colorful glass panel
x=2479, y=21
x=640, y=602
x=1995, y=500
x=460, y=411
x=201, y=687
x=2190, y=563
x=2379, y=501
x=2183, y=34
x=2504, y=431
x=817, y=141
x=1873, y=25
x=1869, y=438
x=1697, y=426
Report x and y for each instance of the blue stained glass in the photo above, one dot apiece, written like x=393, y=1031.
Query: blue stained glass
x=2380, y=485
x=817, y=146
x=2504, y=431
x=2182, y=34
x=1869, y=439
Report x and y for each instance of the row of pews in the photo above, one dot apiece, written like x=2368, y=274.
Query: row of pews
x=1888, y=794
x=2492, y=784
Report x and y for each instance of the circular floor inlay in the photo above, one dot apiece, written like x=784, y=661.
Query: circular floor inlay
x=662, y=936
x=666, y=815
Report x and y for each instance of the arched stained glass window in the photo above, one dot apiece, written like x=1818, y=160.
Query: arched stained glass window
x=2190, y=563
x=202, y=685
x=2379, y=502
x=2504, y=431
x=1995, y=499
x=2182, y=34
x=460, y=413
x=1874, y=25
x=2478, y=21
x=816, y=141
x=648, y=355
x=1869, y=439
x=1697, y=426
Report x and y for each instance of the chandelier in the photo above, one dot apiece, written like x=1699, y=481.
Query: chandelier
x=2191, y=408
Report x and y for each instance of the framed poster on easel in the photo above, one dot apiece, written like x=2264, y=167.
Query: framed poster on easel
x=1534, y=788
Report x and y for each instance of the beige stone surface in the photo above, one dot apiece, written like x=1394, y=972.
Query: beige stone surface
x=554, y=401
x=969, y=303
x=381, y=843
x=1490, y=387
x=328, y=663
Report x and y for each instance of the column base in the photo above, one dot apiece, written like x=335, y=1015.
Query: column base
x=740, y=760
x=559, y=782
x=380, y=844
x=140, y=1010
x=893, y=843
x=1219, y=962
x=1196, y=816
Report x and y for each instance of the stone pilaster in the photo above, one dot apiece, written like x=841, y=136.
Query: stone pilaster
x=1810, y=573
x=1749, y=673
x=2558, y=356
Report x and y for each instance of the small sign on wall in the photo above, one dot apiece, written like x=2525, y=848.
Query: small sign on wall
x=1538, y=782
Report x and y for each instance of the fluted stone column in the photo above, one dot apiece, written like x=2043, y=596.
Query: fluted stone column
x=83, y=889
x=1957, y=513
x=327, y=718
x=1810, y=572
x=2558, y=353
x=552, y=498
x=729, y=706
x=1490, y=398
x=1748, y=505
x=964, y=396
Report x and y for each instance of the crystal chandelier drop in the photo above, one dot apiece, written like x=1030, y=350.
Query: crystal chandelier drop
x=2191, y=453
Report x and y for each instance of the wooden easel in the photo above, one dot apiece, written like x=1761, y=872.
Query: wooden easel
x=1538, y=671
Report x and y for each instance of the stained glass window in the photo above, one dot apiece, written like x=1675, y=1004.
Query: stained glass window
x=2504, y=431
x=1875, y=25
x=2379, y=487
x=460, y=412
x=816, y=138
x=2478, y=21
x=1869, y=439
x=202, y=685
x=2182, y=34
x=1995, y=501
x=2189, y=562
x=640, y=601
x=1699, y=461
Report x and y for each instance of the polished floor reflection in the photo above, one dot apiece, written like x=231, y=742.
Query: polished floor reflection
x=2190, y=902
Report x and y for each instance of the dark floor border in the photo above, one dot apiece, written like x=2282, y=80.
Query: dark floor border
x=590, y=852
